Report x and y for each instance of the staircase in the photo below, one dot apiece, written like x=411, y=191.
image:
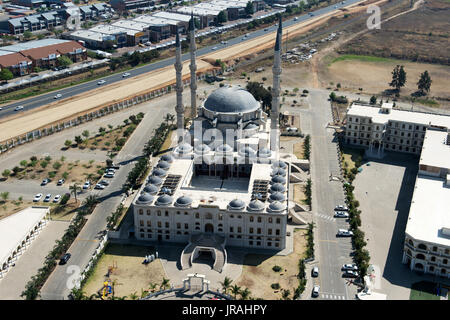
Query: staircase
x=212, y=241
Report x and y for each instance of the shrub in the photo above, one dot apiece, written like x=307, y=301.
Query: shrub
x=275, y=286
x=277, y=268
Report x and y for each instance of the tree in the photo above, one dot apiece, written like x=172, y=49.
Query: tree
x=6, y=75
x=64, y=61
x=74, y=190
x=6, y=173
x=285, y=294
x=235, y=290
x=424, y=82
x=164, y=283
x=4, y=195
x=249, y=9
x=85, y=133
x=373, y=100
x=398, y=78
x=222, y=17
x=169, y=118
x=68, y=143
x=78, y=140
x=23, y=163
x=245, y=294
x=226, y=284
x=91, y=201
x=27, y=34
x=44, y=164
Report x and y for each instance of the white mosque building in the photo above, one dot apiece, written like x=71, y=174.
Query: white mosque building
x=223, y=184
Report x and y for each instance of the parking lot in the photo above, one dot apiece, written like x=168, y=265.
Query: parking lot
x=384, y=189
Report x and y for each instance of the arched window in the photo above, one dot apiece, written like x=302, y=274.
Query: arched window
x=422, y=246
x=420, y=256
x=411, y=242
x=197, y=215
x=251, y=218
x=141, y=211
x=208, y=215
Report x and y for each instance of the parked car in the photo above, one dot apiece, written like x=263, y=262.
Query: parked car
x=341, y=208
x=126, y=74
x=266, y=29
x=349, y=266
x=344, y=233
x=61, y=182
x=47, y=197
x=18, y=108
x=59, y=95
x=101, y=82
x=99, y=186
x=109, y=175
x=57, y=198
x=315, y=272
x=104, y=182
x=45, y=181
x=341, y=214
x=86, y=185
x=65, y=258
x=37, y=197
x=214, y=48
x=350, y=274
x=296, y=18
x=315, y=291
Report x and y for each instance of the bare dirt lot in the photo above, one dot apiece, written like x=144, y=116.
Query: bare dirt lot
x=421, y=35
x=130, y=276
x=9, y=207
x=258, y=276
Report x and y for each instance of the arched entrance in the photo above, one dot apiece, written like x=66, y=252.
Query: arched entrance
x=209, y=228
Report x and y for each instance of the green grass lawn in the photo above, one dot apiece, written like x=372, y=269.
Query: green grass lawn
x=423, y=290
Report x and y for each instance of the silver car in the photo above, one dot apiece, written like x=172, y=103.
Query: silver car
x=315, y=272
x=315, y=291
x=341, y=214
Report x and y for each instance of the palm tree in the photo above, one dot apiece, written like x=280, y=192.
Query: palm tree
x=245, y=294
x=235, y=290
x=285, y=294
x=164, y=283
x=226, y=284
x=74, y=190
x=91, y=201
x=144, y=293
x=133, y=296
x=152, y=286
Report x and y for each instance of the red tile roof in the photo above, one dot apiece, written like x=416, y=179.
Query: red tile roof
x=9, y=60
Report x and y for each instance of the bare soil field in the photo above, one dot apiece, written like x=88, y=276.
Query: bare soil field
x=421, y=35
x=9, y=207
x=130, y=276
x=258, y=276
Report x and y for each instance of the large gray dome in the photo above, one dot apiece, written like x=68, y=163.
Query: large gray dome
x=151, y=188
x=163, y=165
x=278, y=179
x=277, y=187
x=164, y=200
x=183, y=201
x=255, y=205
x=236, y=204
x=155, y=180
x=231, y=100
x=277, y=196
x=144, y=198
x=276, y=207
x=159, y=172
x=167, y=157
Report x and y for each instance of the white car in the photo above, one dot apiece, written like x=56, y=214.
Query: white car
x=99, y=186
x=351, y=274
x=315, y=291
x=341, y=214
x=109, y=175
x=37, y=197
x=349, y=266
x=126, y=74
x=315, y=272
x=341, y=208
x=18, y=108
x=344, y=233
x=57, y=198
x=59, y=95
x=47, y=197
x=86, y=185
x=296, y=18
x=101, y=82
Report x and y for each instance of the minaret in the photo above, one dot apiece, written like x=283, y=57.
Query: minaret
x=179, y=88
x=275, y=112
x=193, y=68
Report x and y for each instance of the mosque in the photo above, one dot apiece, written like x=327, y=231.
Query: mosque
x=224, y=183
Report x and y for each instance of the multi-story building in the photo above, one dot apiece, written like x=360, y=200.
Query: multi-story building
x=384, y=128
x=223, y=184
x=427, y=235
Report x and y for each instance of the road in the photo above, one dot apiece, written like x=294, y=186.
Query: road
x=44, y=99
x=87, y=241
x=331, y=252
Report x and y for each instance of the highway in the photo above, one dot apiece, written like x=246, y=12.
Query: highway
x=44, y=99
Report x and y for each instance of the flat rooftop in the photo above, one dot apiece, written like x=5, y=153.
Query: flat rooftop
x=398, y=115
x=429, y=211
x=435, y=151
x=14, y=228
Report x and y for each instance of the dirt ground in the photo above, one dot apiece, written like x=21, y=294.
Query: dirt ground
x=77, y=171
x=10, y=207
x=299, y=195
x=64, y=212
x=257, y=274
x=130, y=276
